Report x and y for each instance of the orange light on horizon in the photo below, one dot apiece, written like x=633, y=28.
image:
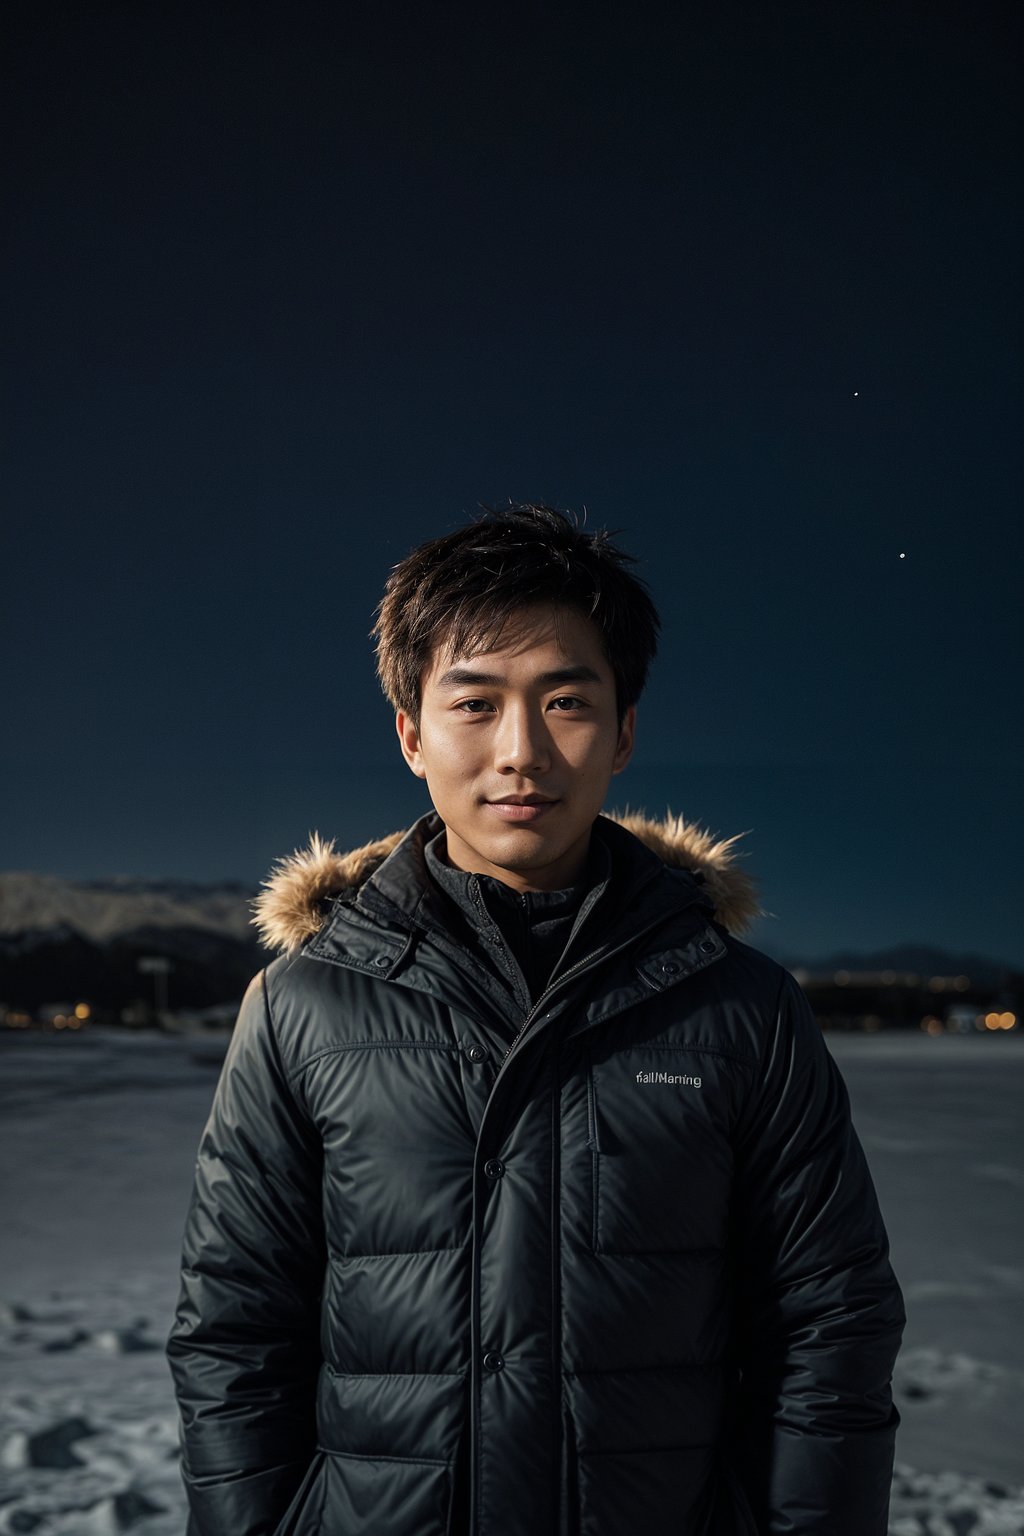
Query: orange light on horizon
x=1000, y=1020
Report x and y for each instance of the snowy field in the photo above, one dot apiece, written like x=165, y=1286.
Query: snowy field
x=98, y=1139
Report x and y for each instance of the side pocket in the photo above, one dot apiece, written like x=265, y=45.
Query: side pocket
x=304, y=1515
x=733, y=1515
x=569, y=1524
x=594, y=1143
x=458, y=1521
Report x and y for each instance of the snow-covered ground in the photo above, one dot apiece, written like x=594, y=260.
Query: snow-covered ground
x=98, y=1138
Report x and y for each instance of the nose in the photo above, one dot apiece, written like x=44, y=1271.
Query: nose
x=522, y=744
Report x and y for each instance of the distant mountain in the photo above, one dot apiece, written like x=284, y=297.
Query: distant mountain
x=917, y=959
x=102, y=910
x=74, y=940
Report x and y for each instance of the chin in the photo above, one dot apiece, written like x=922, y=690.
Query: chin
x=524, y=850
x=514, y=847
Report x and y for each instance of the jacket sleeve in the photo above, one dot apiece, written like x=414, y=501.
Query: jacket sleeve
x=244, y=1346
x=820, y=1312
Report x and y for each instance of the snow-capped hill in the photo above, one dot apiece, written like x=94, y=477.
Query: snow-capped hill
x=47, y=906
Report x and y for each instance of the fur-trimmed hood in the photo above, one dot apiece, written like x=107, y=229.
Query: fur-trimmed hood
x=289, y=908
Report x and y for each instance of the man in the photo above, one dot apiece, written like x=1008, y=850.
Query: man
x=529, y=1201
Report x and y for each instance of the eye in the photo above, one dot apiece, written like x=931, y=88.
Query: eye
x=473, y=706
x=568, y=704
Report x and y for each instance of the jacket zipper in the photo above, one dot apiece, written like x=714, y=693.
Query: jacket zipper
x=574, y=970
x=581, y=965
x=541, y=1002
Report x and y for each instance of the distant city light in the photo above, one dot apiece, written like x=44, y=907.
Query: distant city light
x=1000, y=1020
x=82, y=1010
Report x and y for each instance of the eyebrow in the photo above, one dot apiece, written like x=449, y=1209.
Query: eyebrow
x=459, y=677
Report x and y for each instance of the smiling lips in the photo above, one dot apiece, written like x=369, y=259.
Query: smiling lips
x=522, y=809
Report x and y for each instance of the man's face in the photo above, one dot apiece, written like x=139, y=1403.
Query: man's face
x=517, y=747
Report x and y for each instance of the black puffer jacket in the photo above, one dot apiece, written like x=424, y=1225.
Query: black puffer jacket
x=617, y=1267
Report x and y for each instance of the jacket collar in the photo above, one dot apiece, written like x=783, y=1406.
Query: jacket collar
x=296, y=901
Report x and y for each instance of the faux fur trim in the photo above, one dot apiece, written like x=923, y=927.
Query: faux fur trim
x=288, y=909
x=687, y=845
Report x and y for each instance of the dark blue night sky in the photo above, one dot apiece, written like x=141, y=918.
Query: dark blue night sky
x=289, y=289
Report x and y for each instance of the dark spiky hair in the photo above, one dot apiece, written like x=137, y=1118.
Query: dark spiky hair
x=467, y=591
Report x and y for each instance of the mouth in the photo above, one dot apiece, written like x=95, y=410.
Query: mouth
x=523, y=800
x=521, y=808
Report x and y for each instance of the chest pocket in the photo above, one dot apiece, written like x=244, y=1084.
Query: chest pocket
x=658, y=1118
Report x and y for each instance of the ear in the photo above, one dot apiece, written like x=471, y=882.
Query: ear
x=627, y=737
x=409, y=739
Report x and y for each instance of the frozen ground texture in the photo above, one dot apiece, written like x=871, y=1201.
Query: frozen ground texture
x=99, y=1133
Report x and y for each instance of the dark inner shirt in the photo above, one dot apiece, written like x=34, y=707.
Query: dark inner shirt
x=524, y=934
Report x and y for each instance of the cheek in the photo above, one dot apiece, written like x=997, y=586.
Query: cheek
x=592, y=753
x=452, y=756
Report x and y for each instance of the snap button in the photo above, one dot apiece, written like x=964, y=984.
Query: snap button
x=494, y=1168
x=708, y=946
x=670, y=967
x=476, y=1053
x=382, y=961
x=493, y=1362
